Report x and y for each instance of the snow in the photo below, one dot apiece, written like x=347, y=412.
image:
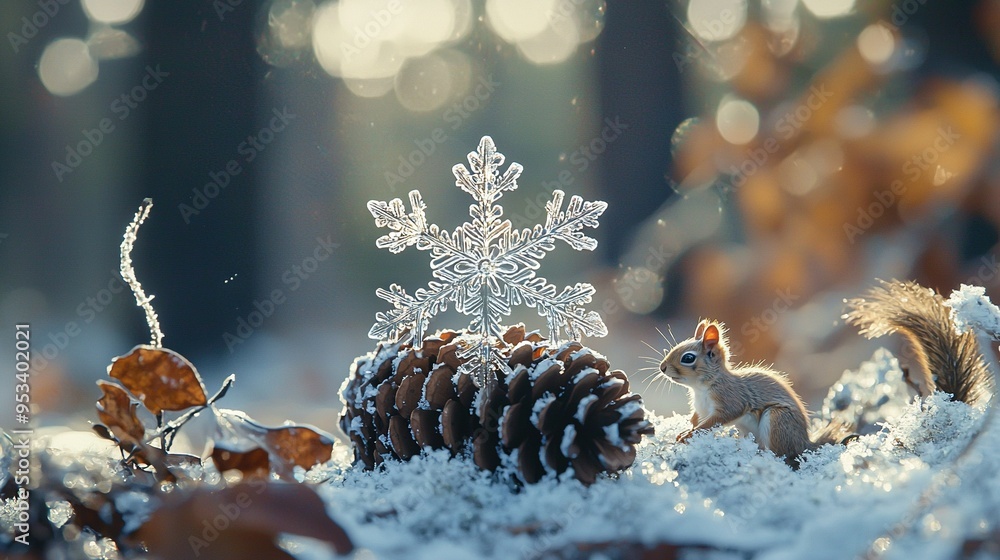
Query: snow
x=581, y=409
x=865, y=396
x=569, y=435
x=135, y=508
x=971, y=308
x=542, y=366
x=613, y=435
x=539, y=406
x=718, y=491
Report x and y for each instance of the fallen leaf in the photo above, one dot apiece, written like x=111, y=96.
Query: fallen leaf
x=117, y=411
x=288, y=446
x=243, y=521
x=160, y=378
x=299, y=445
x=253, y=462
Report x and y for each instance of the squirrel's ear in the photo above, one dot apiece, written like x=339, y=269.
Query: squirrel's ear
x=712, y=336
x=701, y=328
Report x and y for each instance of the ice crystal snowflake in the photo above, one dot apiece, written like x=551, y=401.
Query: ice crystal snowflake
x=485, y=267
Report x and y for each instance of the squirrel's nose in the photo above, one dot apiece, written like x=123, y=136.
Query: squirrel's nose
x=663, y=365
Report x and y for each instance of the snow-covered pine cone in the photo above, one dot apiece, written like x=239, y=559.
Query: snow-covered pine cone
x=560, y=408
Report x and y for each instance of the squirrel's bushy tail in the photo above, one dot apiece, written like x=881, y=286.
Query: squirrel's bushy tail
x=951, y=361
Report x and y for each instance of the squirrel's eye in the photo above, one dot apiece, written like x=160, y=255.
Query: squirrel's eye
x=688, y=358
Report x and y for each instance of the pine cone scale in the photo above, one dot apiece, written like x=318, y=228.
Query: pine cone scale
x=385, y=402
x=408, y=394
x=584, y=387
x=521, y=355
x=424, y=424
x=578, y=365
x=454, y=418
x=556, y=461
x=484, y=452
x=440, y=389
x=552, y=416
x=448, y=354
x=530, y=464
x=515, y=424
x=548, y=381
x=519, y=385
x=401, y=438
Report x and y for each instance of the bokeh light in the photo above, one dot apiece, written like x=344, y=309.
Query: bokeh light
x=517, y=20
x=67, y=66
x=876, y=44
x=424, y=84
x=328, y=36
x=640, y=290
x=782, y=19
x=369, y=87
x=716, y=20
x=910, y=50
x=289, y=22
x=112, y=12
x=682, y=135
x=737, y=119
x=854, y=121
x=829, y=8
x=369, y=42
x=806, y=168
x=546, y=31
x=590, y=17
x=377, y=39
x=284, y=32
x=425, y=24
x=109, y=43
x=554, y=44
x=779, y=14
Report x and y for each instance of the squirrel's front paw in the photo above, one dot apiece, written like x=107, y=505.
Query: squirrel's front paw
x=684, y=436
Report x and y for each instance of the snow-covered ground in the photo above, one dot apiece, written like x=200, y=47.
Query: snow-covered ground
x=718, y=492
x=921, y=482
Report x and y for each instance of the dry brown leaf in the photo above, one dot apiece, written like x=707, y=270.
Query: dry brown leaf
x=289, y=446
x=254, y=462
x=117, y=411
x=160, y=378
x=299, y=446
x=243, y=521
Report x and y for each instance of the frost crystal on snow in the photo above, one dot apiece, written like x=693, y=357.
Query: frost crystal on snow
x=485, y=266
x=972, y=308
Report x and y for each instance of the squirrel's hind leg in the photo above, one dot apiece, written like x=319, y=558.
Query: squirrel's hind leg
x=783, y=433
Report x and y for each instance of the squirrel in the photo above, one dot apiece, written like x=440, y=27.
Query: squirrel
x=755, y=399
x=761, y=401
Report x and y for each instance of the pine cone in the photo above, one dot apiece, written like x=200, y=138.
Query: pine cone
x=559, y=408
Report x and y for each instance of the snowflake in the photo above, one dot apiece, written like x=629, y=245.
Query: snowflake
x=485, y=267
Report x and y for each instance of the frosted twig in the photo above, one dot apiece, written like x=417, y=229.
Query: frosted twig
x=128, y=273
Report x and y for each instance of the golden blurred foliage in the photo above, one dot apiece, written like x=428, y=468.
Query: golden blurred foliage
x=859, y=168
